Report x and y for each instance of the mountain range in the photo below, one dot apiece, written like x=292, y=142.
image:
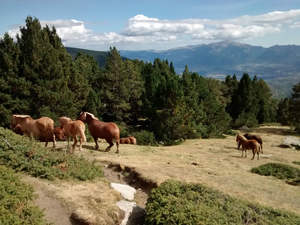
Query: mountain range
x=278, y=65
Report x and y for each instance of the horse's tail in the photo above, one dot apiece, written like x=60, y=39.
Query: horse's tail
x=82, y=134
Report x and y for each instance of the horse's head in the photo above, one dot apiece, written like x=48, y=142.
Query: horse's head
x=82, y=116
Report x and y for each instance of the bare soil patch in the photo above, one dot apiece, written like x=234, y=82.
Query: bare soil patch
x=216, y=163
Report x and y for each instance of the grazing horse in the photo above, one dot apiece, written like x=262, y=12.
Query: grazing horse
x=255, y=137
x=247, y=145
x=104, y=130
x=18, y=129
x=128, y=140
x=42, y=128
x=73, y=128
x=60, y=134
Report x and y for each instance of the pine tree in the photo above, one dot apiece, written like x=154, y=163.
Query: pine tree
x=136, y=89
x=12, y=88
x=294, y=109
x=115, y=86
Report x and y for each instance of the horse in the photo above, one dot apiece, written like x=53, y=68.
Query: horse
x=73, y=128
x=104, y=130
x=18, y=129
x=128, y=140
x=39, y=128
x=60, y=133
x=255, y=137
x=247, y=145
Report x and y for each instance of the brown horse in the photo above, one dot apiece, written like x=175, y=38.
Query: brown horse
x=255, y=137
x=247, y=145
x=60, y=134
x=39, y=128
x=18, y=129
x=73, y=128
x=128, y=140
x=108, y=131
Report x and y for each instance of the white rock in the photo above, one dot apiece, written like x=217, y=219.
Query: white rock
x=127, y=207
x=126, y=191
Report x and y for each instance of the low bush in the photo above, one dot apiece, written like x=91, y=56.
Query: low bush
x=279, y=170
x=145, y=138
x=15, y=200
x=21, y=154
x=180, y=203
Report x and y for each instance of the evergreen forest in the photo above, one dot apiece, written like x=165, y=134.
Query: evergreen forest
x=39, y=78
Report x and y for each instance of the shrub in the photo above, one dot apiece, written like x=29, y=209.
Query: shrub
x=15, y=200
x=20, y=154
x=180, y=203
x=145, y=138
x=279, y=170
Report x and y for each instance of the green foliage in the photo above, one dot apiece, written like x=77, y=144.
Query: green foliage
x=180, y=203
x=278, y=170
x=21, y=154
x=15, y=200
x=145, y=138
x=251, y=101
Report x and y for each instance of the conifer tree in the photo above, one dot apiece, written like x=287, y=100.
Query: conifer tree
x=115, y=87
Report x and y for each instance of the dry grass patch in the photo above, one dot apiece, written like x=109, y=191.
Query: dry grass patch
x=213, y=162
x=93, y=202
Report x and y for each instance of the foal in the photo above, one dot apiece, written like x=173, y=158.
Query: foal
x=73, y=128
x=247, y=145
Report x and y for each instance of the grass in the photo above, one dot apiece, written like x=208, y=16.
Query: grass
x=15, y=200
x=280, y=171
x=23, y=155
x=180, y=203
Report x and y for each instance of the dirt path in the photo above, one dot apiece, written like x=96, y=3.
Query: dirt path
x=214, y=162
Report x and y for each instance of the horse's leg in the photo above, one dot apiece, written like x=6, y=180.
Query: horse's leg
x=80, y=146
x=245, y=153
x=110, y=145
x=117, y=143
x=74, y=143
x=262, y=152
x=96, y=142
x=253, y=152
x=68, y=138
x=54, y=141
x=46, y=144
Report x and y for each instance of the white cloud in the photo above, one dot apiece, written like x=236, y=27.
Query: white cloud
x=144, y=30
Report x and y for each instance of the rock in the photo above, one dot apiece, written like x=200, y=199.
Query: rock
x=133, y=213
x=291, y=142
x=126, y=191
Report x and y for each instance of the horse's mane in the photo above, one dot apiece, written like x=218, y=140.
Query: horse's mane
x=23, y=116
x=242, y=137
x=92, y=115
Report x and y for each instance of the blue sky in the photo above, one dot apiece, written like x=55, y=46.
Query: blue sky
x=158, y=24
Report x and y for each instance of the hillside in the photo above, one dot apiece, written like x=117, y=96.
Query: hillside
x=216, y=163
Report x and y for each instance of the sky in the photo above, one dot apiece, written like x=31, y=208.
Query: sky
x=158, y=24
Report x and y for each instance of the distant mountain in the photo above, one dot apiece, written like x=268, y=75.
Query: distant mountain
x=279, y=66
x=99, y=56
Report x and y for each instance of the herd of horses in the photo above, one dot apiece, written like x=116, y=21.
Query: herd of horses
x=43, y=129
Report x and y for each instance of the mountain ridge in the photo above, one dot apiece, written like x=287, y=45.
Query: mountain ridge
x=278, y=65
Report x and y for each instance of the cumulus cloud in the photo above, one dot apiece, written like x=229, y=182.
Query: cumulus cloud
x=141, y=29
